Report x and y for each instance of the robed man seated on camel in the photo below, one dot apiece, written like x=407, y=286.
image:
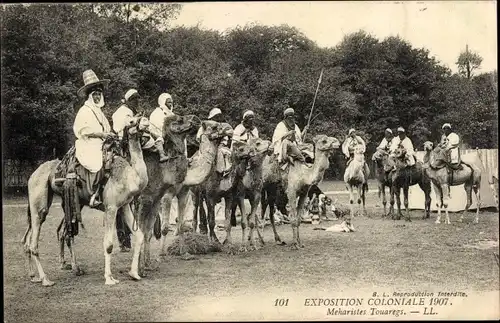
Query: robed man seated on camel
x=287, y=140
x=450, y=142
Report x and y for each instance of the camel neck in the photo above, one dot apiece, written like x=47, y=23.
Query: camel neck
x=136, y=157
x=317, y=172
x=202, y=165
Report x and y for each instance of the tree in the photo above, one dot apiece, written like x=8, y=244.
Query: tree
x=468, y=62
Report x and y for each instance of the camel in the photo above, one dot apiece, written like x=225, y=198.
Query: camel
x=382, y=170
x=442, y=176
x=273, y=193
x=355, y=177
x=298, y=178
x=217, y=187
x=402, y=178
x=250, y=187
x=125, y=182
x=166, y=180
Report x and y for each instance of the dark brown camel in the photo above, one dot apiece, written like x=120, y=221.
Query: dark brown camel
x=250, y=187
x=383, y=174
x=402, y=178
x=217, y=187
x=166, y=179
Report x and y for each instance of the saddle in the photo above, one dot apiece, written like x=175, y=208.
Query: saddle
x=304, y=154
x=451, y=168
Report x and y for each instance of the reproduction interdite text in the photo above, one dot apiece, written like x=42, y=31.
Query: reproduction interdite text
x=390, y=304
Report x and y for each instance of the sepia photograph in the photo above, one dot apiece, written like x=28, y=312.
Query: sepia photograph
x=250, y=161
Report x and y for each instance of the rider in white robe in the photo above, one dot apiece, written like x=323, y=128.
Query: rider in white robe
x=451, y=142
x=404, y=141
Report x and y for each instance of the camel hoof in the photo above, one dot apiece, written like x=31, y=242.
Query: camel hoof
x=460, y=220
x=35, y=280
x=280, y=243
x=47, y=283
x=226, y=242
x=243, y=249
x=78, y=272
x=111, y=281
x=294, y=246
x=476, y=221
x=437, y=222
x=302, y=245
x=134, y=275
x=66, y=266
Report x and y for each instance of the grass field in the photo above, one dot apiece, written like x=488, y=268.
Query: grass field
x=381, y=254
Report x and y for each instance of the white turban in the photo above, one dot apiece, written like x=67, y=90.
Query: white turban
x=446, y=125
x=388, y=130
x=288, y=112
x=401, y=129
x=162, y=99
x=351, y=130
x=248, y=113
x=130, y=93
x=214, y=112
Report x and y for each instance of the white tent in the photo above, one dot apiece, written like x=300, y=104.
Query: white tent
x=487, y=160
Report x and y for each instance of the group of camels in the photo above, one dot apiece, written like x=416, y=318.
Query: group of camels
x=149, y=186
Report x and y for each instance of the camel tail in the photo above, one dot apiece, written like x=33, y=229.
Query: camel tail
x=157, y=227
x=28, y=214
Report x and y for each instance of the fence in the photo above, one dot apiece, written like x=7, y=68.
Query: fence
x=16, y=173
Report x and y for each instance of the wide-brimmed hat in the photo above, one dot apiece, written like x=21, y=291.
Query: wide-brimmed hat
x=90, y=80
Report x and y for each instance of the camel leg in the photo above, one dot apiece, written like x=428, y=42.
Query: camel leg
x=253, y=223
x=351, y=200
x=426, y=188
x=137, y=238
x=384, y=199
x=272, y=208
x=439, y=202
x=468, y=193
x=211, y=221
x=37, y=220
x=182, y=202
x=203, y=225
x=228, y=210
x=109, y=230
x=477, y=191
x=446, y=199
x=360, y=190
x=211, y=211
x=301, y=210
x=196, y=206
x=166, y=204
x=391, y=201
x=244, y=224
x=294, y=219
x=405, y=196
x=397, y=196
x=147, y=216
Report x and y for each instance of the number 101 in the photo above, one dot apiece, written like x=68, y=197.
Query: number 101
x=281, y=302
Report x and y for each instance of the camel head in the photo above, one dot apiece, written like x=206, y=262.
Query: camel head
x=259, y=146
x=325, y=143
x=381, y=158
x=216, y=130
x=180, y=125
x=241, y=150
x=428, y=146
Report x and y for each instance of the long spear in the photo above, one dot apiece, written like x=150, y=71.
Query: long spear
x=314, y=100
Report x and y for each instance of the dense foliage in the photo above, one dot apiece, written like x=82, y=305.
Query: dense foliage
x=369, y=84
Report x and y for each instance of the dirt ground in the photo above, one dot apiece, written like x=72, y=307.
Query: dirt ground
x=381, y=254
